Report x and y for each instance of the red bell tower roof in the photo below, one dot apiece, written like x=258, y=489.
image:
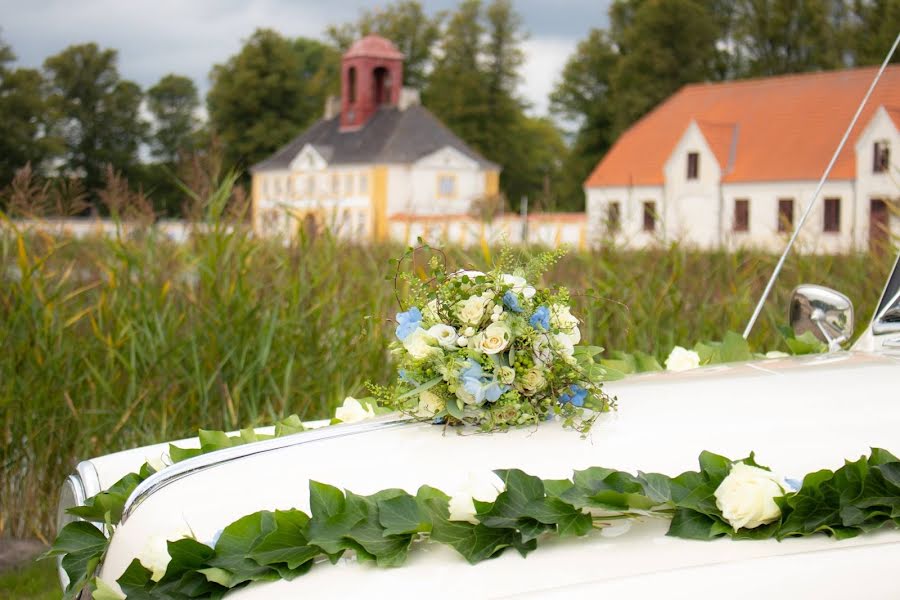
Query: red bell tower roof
x=374, y=46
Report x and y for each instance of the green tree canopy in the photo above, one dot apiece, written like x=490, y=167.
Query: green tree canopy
x=94, y=112
x=404, y=23
x=173, y=101
x=268, y=92
x=23, y=124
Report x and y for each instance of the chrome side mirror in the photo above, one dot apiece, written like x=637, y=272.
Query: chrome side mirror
x=826, y=313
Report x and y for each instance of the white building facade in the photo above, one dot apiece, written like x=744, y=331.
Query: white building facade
x=717, y=185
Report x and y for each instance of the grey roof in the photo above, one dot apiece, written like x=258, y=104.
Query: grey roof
x=391, y=136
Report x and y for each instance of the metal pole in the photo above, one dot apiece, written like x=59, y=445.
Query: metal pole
x=815, y=195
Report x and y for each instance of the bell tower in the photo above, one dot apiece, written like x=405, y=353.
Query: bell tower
x=371, y=77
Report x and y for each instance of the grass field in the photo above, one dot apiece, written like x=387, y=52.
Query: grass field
x=114, y=343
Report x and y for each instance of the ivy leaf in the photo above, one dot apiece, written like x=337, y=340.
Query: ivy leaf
x=81, y=545
x=332, y=518
x=693, y=525
x=657, y=487
x=108, y=505
x=608, y=489
x=388, y=550
x=474, y=542
x=286, y=543
x=401, y=514
x=510, y=508
x=179, y=454
x=235, y=544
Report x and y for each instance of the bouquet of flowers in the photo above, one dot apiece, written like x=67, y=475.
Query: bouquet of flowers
x=492, y=350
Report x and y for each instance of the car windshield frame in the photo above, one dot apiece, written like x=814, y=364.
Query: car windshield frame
x=889, y=303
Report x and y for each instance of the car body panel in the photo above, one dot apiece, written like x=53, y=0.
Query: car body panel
x=799, y=414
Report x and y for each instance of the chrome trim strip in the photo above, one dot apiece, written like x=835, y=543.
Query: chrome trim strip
x=185, y=468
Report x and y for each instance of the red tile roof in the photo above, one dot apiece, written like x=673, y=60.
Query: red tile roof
x=772, y=129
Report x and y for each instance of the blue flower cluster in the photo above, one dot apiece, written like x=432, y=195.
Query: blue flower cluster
x=576, y=395
x=407, y=322
x=482, y=386
x=511, y=301
x=540, y=318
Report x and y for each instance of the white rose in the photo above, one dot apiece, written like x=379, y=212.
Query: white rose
x=471, y=274
x=561, y=318
x=495, y=338
x=543, y=354
x=747, y=495
x=481, y=486
x=430, y=404
x=471, y=311
x=565, y=345
x=506, y=375
x=776, y=354
x=420, y=344
x=532, y=381
x=469, y=331
x=353, y=411
x=444, y=334
x=155, y=554
x=462, y=341
x=682, y=359
x=519, y=285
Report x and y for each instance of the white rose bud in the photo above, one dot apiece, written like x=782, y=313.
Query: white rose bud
x=682, y=359
x=469, y=331
x=420, y=344
x=444, y=334
x=495, y=338
x=155, y=554
x=747, y=495
x=506, y=375
x=353, y=411
x=462, y=341
x=482, y=486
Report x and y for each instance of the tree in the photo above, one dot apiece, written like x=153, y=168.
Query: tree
x=173, y=102
x=406, y=25
x=790, y=36
x=874, y=27
x=23, y=137
x=663, y=45
x=269, y=92
x=583, y=98
x=94, y=112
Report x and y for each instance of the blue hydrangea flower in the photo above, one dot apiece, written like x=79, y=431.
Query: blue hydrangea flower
x=407, y=322
x=482, y=386
x=511, y=301
x=576, y=395
x=540, y=318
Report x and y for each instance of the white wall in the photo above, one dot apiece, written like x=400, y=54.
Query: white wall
x=631, y=200
x=870, y=185
x=413, y=189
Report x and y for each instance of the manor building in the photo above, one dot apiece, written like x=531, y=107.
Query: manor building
x=376, y=154
x=728, y=165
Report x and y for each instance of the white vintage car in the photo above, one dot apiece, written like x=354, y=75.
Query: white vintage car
x=798, y=414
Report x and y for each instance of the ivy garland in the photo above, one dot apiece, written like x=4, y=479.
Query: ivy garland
x=859, y=497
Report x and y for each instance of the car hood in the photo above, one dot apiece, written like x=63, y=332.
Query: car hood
x=798, y=414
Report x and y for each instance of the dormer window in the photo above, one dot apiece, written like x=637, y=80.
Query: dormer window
x=881, y=157
x=693, y=165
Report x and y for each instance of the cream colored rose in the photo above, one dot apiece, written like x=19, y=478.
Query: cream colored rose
x=444, y=334
x=353, y=411
x=519, y=285
x=430, y=404
x=420, y=344
x=565, y=346
x=471, y=310
x=561, y=318
x=682, y=359
x=155, y=554
x=532, y=382
x=506, y=375
x=495, y=338
x=747, y=495
x=482, y=486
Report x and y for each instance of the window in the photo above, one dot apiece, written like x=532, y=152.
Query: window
x=278, y=186
x=693, y=165
x=650, y=216
x=741, y=215
x=785, y=215
x=613, y=217
x=351, y=85
x=348, y=184
x=446, y=186
x=363, y=184
x=881, y=157
x=832, y=222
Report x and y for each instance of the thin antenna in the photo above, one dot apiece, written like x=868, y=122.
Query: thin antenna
x=815, y=195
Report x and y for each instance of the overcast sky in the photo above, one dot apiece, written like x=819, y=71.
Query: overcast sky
x=155, y=37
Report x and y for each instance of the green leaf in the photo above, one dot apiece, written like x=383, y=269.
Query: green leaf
x=474, y=542
x=693, y=525
x=237, y=541
x=286, y=543
x=81, y=546
x=389, y=550
x=289, y=426
x=735, y=348
x=454, y=409
x=211, y=441
x=108, y=505
x=646, y=363
x=179, y=454
x=657, y=487
x=101, y=591
x=401, y=514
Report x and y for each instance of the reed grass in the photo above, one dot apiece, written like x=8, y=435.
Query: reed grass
x=111, y=343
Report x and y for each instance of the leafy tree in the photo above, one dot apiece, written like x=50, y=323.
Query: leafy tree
x=663, y=46
x=173, y=102
x=268, y=92
x=23, y=137
x=874, y=26
x=95, y=113
x=583, y=97
x=404, y=23
x=789, y=36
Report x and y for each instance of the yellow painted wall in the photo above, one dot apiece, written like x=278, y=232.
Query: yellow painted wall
x=378, y=202
x=491, y=183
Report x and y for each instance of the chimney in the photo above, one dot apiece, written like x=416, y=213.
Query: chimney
x=371, y=77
